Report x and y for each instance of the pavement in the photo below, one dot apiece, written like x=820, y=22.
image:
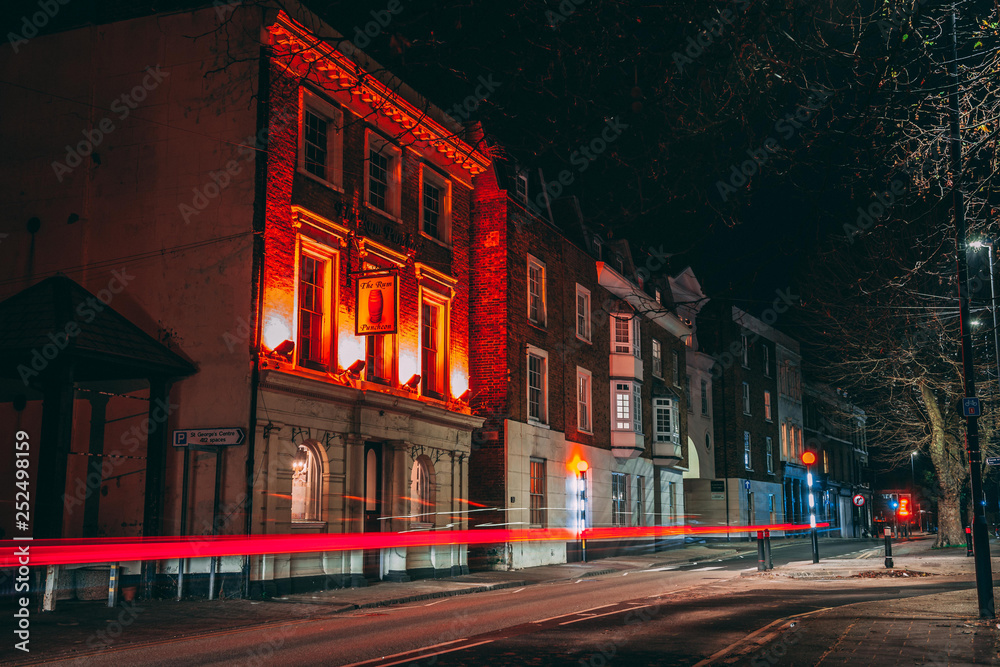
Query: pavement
x=934, y=629
x=937, y=629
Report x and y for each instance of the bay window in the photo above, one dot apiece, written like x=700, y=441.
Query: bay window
x=666, y=422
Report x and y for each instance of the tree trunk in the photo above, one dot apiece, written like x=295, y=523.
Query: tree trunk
x=951, y=530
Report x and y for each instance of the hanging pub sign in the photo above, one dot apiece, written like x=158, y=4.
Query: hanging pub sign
x=375, y=296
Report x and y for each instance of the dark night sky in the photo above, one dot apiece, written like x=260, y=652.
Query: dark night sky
x=565, y=74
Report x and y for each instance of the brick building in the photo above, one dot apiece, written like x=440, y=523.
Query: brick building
x=258, y=182
x=572, y=361
x=747, y=488
x=835, y=429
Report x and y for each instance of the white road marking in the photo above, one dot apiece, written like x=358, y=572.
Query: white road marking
x=437, y=602
x=592, y=616
x=706, y=569
x=663, y=569
x=427, y=655
x=575, y=613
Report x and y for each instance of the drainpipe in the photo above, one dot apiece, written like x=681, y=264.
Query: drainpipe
x=257, y=291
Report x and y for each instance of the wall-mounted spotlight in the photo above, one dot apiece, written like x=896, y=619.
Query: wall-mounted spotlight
x=466, y=395
x=356, y=367
x=412, y=383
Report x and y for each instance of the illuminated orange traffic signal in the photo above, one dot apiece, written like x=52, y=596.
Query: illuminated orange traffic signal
x=904, y=507
x=808, y=458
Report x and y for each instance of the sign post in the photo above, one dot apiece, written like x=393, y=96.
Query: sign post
x=208, y=436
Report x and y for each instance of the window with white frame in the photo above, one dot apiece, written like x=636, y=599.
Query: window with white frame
x=627, y=397
x=321, y=141
x=767, y=360
x=746, y=398
x=435, y=205
x=769, y=450
x=619, y=499
x=666, y=421
x=625, y=334
x=640, y=500
x=307, y=476
x=315, y=304
x=745, y=350
x=433, y=345
x=672, y=501
x=704, y=397
x=582, y=312
x=521, y=188
x=598, y=248
x=536, y=291
x=538, y=381
x=583, y=399
x=784, y=441
x=657, y=359
x=383, y=175
x=536, y=493
x=676, y=358
x=767, y=405
x=747, y=460
x=637, y=406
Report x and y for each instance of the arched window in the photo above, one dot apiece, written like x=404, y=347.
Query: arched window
x=307, y=475
x=422, y=491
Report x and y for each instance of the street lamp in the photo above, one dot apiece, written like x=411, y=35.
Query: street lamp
x=993, y=300
x=913, y=474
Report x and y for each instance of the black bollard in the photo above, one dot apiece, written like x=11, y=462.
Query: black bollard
x=968, y=541
x=888, y=549
x=767, y=549
x=761, y=563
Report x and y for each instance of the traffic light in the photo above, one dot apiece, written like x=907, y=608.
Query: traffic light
x=904, y=507
x=808, y=457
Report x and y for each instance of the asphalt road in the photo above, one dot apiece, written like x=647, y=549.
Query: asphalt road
x=660, y=615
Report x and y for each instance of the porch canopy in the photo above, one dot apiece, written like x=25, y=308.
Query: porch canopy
x=57, y=338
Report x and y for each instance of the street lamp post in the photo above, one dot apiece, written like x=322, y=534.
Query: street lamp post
x=993, y=300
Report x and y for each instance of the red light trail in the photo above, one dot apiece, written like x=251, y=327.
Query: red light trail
x=120, y=549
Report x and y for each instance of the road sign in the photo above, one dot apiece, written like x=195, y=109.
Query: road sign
x=859, y=500
x=746, y=485
x=208, y=436
x=970, y=406
x=993, y=460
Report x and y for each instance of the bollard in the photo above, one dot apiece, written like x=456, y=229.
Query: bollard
x=968, y=540
x=767, y=549
x=815, y=545
x=113, y=578
x=888, y=548
x=761, y=564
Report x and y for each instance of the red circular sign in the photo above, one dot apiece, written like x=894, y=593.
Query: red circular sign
x=859, y=500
